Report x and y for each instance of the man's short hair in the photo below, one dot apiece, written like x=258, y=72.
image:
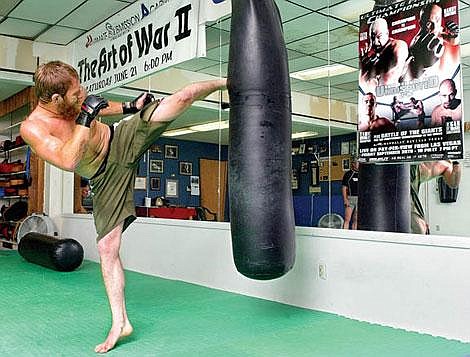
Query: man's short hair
x=450, y=82
x=53, y=77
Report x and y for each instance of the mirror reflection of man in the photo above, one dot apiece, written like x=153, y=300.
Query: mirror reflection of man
x=425, y=171
x=434, y=44
x=450, y=108
x=349, y=190
x=383, y=59
x=371, y=121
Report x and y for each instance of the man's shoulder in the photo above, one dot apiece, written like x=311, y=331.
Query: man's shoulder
x=437, y=109
x=399, y=45
x=384, y=121
x=34, y=123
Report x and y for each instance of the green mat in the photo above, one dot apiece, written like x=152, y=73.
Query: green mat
x=47, y=313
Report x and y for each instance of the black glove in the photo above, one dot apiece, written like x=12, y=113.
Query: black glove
x=427, y=49
x=131, y=107
x=451, y=30
x=90, y=109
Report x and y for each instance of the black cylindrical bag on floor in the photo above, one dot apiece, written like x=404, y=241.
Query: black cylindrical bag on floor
x=51, y=252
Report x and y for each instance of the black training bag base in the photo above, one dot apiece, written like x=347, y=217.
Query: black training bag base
x=51, y=252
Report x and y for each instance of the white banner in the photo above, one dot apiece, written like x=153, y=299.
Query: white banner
x=144, y=38
x=212, y=10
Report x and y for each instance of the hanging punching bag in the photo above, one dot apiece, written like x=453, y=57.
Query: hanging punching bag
x=261, y=208
x=384, y=198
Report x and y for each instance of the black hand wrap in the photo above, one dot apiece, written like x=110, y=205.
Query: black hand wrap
x=90, y=109
x=131, y=107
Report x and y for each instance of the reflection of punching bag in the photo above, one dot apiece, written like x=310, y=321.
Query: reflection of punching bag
x=384, y=198
x=261, y=209
x=447, y=194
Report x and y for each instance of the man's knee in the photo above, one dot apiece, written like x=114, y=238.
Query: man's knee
x=109, y=245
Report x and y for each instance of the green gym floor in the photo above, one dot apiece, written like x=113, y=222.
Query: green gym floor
x=47, y=313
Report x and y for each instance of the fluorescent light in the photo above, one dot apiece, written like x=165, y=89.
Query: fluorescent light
x=465, y=50
x=304, y=134
x=216, y=125
x=351, y=13
x=177, y=132
x=322, y=71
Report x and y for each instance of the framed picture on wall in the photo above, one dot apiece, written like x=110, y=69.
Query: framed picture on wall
x=171, y=189
x=156, y=149
x=186, y=168
x=156, y=166
x=194, y=185
x=140, y=183
x=155, y=183
x=353, y=147
x=346, y=164
x=345, y=147
x=171, y=151
x=294, y=179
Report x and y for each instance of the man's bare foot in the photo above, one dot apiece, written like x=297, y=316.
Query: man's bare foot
x=114, y=335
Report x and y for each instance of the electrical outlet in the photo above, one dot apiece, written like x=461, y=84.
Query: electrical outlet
x=322, y=271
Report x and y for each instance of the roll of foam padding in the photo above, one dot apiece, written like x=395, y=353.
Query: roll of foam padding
x=51, y=252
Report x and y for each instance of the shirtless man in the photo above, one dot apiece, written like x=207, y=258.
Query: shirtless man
x=384, y=59
x=373, y=122
x=418, y=109
x=425, y=171
x=434, y=44
x=450, y=108
x=62, y=131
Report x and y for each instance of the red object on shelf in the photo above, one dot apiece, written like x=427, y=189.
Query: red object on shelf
x=166, y=212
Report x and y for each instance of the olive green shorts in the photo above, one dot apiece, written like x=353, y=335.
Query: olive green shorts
x=113, y=187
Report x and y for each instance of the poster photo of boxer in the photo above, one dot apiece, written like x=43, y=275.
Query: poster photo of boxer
x=410, y=85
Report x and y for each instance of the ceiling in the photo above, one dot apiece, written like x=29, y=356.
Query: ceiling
x=305, y=24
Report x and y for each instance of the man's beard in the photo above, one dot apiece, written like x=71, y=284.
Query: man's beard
x=68, y=110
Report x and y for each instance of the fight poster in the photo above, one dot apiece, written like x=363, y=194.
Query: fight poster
x=146, y=37
x=410, y=87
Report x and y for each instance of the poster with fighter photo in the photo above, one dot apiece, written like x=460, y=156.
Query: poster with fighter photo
x=410, y=87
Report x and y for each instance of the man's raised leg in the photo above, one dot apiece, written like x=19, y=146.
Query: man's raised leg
x=113, y=277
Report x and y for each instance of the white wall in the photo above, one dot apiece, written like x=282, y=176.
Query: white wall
x=411, y=282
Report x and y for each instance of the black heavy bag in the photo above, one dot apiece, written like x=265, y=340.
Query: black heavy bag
x=384, y=198
x=51, y=252
x=447, y=194
x=261, y=208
